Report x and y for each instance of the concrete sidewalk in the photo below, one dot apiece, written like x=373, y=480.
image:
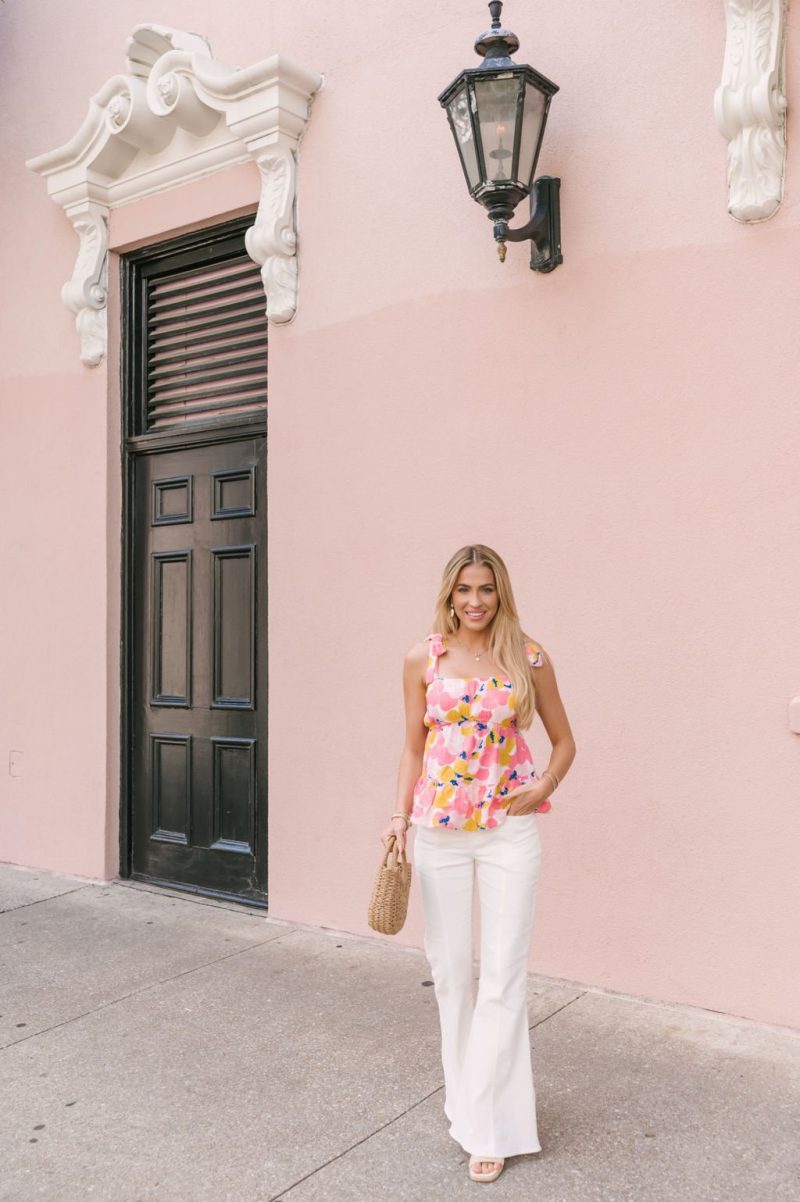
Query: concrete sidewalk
x=163, y=1048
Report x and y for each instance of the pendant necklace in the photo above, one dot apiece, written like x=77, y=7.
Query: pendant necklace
x=475, y=654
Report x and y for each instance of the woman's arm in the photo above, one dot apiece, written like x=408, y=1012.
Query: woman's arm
x=414, y=746
x=550, y=709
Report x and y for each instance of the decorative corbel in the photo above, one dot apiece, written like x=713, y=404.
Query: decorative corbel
x=750, y=107
x=272, y=241
x=87, y=292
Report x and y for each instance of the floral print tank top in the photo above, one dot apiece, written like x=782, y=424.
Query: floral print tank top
x=474, y=754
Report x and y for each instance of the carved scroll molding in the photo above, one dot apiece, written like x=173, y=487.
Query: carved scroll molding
x=178, y=115
x=272, y=241
x=750, y=107
x=86, y=293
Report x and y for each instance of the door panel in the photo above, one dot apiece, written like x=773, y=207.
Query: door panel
x=199, y=673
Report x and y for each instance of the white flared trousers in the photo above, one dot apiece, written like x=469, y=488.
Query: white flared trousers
x=488, y=1079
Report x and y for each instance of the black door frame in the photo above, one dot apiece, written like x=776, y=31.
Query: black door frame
x=134, y=444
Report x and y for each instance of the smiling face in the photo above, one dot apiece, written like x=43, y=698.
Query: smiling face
x=474, y=597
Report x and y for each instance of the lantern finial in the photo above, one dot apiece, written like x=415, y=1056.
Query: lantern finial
x=497, y=45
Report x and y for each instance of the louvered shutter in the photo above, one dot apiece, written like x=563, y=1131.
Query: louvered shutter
x=206, y=333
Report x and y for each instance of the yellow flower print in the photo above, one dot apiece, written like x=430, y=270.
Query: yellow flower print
x=505, y=751
x=461, y=713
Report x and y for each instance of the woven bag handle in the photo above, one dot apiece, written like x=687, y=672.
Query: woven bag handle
x=391, y=854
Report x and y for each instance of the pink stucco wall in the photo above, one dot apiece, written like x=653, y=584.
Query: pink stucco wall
x=625, y=432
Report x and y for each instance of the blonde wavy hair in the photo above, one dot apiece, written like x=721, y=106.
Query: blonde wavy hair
x=506, y=636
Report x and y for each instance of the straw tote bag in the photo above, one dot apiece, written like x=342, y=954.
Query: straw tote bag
x=388, y=905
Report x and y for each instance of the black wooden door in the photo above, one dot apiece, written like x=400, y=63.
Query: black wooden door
x=198, y=668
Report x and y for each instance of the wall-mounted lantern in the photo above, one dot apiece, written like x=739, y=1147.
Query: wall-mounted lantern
x=497, y=113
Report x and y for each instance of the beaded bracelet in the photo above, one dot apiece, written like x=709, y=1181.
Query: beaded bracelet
x=405, y=816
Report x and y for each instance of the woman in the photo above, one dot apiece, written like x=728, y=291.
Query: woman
x=468, y=784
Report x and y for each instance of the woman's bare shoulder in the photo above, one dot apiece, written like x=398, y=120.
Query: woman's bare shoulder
x=417, y=656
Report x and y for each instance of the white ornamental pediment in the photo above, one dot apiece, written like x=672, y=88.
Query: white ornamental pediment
x=175, y=115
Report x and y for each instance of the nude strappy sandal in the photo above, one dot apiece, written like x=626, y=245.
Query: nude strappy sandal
x=490, y=1176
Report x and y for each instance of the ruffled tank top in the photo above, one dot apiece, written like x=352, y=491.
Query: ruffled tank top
x=474, y=753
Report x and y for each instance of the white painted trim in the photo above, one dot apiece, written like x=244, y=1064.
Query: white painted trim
x=178, y=115
x=750, y=107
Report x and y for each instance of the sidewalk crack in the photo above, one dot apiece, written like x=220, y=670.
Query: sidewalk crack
x=357, y=1144
x=136, y=992
x=38, y=901
x=547, y=1017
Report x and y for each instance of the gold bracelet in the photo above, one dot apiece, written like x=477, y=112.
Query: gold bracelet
x=399, y=815
x=553, y=778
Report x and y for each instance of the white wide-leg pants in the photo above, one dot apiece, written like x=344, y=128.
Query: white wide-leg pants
x=488, y=1079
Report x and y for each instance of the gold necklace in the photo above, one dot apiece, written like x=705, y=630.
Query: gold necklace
x=476, y=654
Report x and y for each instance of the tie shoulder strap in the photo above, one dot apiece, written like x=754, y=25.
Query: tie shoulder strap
x=534, y=653
x=435, y=649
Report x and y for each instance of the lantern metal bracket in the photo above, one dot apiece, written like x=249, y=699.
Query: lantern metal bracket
x=543, y=229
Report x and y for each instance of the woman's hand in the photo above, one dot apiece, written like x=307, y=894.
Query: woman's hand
x=528, y=798
x=398, y=828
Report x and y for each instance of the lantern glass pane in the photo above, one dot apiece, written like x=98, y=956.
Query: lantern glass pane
x=458, y=108
x=496, y=101
x=532, y=121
